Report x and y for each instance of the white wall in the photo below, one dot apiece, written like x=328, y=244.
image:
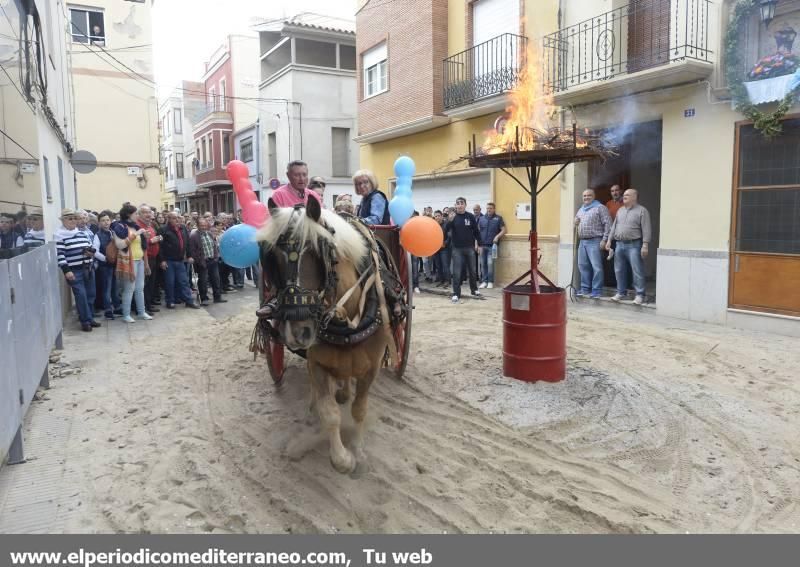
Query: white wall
x=245, y=72
x=28, y=124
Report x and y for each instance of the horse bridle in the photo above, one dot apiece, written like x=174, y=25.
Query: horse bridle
x=295, y=303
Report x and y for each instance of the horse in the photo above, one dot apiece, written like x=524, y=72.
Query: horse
x=331, y=308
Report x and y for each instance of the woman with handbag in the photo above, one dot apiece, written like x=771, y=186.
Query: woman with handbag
x=131, y=265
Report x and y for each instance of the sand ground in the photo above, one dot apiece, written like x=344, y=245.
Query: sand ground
x=661, y=426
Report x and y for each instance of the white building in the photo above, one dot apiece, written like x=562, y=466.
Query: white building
x=178, y=114
x=37, y=114
x=308, y=102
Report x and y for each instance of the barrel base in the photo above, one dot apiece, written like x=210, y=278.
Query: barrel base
x=535, y=333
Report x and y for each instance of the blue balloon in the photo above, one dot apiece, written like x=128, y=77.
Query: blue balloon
x=404, y=167
x=402, y=191
x=238, y=246
x=401, y=209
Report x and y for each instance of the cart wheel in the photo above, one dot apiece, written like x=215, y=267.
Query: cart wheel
x=402, y=334
x=275, y=361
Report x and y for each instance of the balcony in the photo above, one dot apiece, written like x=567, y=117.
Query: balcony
x=481, y=73
x=645, y=45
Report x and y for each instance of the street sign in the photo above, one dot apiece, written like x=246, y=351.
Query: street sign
x=274, y=183
x=84, y=161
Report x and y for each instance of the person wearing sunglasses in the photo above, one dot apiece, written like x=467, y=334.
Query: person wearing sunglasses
x=317, y=184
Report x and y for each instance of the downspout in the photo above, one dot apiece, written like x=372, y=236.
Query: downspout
x=300, y=114
x=259, y=173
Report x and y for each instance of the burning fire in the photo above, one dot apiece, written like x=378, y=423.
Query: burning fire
x=527, y=122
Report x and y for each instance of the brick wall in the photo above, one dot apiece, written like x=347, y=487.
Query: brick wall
x=416, y=36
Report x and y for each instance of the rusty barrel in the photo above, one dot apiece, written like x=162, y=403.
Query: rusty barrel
x=534, y=333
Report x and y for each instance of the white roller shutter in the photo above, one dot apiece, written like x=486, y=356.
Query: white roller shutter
x=491, y=18
x=442, y=192
x=493, y=60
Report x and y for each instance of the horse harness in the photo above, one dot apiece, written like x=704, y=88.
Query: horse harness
x=295, y=303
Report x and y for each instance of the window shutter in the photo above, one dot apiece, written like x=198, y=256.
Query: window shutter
x=648, y=34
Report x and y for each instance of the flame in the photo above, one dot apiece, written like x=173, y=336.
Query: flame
x=530, y=109
x=529, y=122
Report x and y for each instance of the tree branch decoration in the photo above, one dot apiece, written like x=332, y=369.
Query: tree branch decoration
x=768, y=123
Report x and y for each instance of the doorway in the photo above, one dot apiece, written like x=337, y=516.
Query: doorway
x=637, y=165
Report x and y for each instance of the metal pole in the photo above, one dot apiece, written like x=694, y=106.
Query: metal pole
x=534, y=239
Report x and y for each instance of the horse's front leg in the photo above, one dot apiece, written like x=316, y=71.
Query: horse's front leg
x=330, y=418
x=359, y=410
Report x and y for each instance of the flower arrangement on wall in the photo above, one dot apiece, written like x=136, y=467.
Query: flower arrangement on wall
x=775, y=65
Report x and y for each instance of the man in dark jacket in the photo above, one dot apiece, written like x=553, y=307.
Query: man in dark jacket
x=173, y=252
x=204, y=249
x=464, y=236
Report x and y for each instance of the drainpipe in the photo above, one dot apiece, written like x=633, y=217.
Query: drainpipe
x=259, y=173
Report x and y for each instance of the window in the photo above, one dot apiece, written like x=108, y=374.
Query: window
x=210, y=150
x=222, y=94
x=204, y=157
x=179, y=165
x=272, y=156
x=61, y=188
x=340, y=150
x=178, y=122
x=47, y=187
x=375, y=70
x=768, y=195
x=87, y=26
x=197, y=157
x=246, y=149
x=226, y=149
x=212, y=99
x=166, y=123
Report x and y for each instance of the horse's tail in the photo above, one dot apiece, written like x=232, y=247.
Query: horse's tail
x=259, y=340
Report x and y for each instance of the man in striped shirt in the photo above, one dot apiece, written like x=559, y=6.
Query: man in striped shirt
x=35, y=235
x=75, y=258
x=593, y=222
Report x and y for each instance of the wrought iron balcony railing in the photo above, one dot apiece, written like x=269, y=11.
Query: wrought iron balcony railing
x=642, y=35
x=487, y=69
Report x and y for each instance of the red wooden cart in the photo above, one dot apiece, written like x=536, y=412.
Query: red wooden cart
x=400, y=260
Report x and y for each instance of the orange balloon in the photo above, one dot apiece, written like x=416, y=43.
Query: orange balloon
x=422, y=236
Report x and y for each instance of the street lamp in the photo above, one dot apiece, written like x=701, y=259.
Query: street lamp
x=767, y=8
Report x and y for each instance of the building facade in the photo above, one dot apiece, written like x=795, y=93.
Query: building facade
x=37, y=120
x=308, y=102
x=230, y=87
x=427, y=98
x=177, y=116
x=116, y=109
x=723, y=198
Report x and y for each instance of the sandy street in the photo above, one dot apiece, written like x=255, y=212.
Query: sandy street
x=661, y=426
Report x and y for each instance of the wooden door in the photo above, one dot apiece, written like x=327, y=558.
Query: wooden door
x=648, y=34
x=765, y=255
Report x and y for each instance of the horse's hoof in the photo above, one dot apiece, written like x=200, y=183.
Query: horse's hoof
x=342, y=397
x=346, y=464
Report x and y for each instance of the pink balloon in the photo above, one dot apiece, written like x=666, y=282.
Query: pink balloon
x=236, y=170
x=255, y=214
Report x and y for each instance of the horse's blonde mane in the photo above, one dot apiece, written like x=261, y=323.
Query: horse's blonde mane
x=348, y=242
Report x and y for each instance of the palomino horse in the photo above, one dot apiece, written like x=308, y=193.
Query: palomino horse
x=330, y=306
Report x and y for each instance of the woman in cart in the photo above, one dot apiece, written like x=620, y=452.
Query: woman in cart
x=374, y=207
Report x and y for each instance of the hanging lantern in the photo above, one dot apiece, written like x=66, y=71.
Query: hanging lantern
x=767, y=8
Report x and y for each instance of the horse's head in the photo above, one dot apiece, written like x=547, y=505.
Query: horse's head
x=302, y=249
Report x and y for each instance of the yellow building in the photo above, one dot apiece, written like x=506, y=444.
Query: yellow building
x=115, y=102
x=427, y=98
